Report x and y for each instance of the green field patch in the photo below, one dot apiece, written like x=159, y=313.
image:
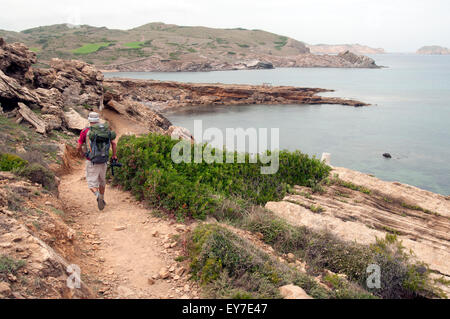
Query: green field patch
x=91, y=47
x=135, y=45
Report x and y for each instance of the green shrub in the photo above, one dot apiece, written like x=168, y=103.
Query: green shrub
x=10, y=162
x=9, y=266
x=39, y=174
x=231, y=267
x=400, y=276
x=198, y=190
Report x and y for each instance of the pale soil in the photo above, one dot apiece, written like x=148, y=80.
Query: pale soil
x=120, y=250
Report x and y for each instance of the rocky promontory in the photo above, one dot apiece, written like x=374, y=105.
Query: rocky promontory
x=345, y=59
x=338, y=48
x=165, y=96
x=59, y=98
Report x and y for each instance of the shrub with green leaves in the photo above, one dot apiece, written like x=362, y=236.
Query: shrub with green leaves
x=199, y=189
x=230, y=267
x=401, y=276
x=9, y=266
x=10, y=162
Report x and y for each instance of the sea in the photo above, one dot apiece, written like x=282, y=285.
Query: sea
x=409, y=115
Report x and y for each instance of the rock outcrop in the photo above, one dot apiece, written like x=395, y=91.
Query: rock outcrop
x=338, y=48
x=164, y=96
x=359, y=61
x=433, y=49
x=37, y=242
x=16, y=61
x=293, y=292
x=263, y=61
x=418, y=217
x=61, y=96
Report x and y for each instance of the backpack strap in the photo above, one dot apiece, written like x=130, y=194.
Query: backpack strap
x=88, y=142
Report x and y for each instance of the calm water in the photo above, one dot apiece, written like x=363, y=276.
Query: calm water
x=410, y=116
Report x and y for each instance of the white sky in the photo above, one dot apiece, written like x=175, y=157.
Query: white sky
x=395, y=25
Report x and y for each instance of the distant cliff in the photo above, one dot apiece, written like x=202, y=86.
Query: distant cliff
x=337, y=48
x=433, y=49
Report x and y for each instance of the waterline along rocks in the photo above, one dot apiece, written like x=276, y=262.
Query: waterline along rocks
x=164, y=96
x=61, y=96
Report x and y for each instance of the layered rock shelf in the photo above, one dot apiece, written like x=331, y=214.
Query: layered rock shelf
x=164, y=96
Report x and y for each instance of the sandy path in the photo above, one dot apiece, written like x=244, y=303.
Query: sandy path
x=120, y=251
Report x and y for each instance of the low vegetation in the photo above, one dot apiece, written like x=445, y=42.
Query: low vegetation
x=198, y=190
x=91, y=48
x=230, y=267
x=235, y=193
x=9, y=266
x=9, y=162
x=101, y=45
x=135, y=45
x=34, y=156
x=401, y=276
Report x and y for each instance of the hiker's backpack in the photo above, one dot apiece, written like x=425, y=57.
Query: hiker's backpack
x=98, y=142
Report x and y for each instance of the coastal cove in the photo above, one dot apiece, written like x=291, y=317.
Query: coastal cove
x=409, y=115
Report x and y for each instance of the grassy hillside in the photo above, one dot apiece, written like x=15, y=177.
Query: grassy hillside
x=103, y=46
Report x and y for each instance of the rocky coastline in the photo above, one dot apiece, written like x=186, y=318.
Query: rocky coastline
x=60, y=97
x=170, y=96
x=344, y=59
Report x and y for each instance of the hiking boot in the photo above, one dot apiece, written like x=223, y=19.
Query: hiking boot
x=101, y=203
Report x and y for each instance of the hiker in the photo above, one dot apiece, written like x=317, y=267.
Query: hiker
x=98, y=138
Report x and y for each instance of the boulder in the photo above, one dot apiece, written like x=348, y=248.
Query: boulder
x=32, y=118
x=75, y=121
x=141, y=113
x=293, y=292
x=5, y=289
x=52, y=122
x=180, y=133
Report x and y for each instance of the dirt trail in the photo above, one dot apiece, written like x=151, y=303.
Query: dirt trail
x=122, y=256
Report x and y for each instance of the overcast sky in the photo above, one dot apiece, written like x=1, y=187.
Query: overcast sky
x=395, y=25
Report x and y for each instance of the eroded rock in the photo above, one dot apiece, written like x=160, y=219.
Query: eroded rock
x=293, y=292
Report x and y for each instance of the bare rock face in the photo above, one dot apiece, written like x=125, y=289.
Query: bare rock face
x=293, y=292
x=180, y=133
x=257, y=65
x=361, y=61
x=12, y=92
x=78, y=82
x=16, y=60
x=75, y=121
x=418, y=217
x=135, y=110
x=66, y=84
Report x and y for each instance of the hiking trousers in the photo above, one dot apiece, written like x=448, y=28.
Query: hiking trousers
x=95, y=174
